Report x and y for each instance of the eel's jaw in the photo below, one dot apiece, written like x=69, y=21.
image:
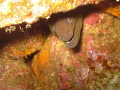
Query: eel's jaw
x=77, y=32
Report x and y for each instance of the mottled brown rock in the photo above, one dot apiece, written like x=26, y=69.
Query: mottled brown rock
x=18, y=11
x=92, y=65
x=16, y=75
x=22, y=42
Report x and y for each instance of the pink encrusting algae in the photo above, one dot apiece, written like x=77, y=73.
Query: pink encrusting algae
x=92, y=19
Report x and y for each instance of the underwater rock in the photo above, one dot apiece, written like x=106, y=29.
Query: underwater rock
x=16, y=75
x=23, y=41
x=17, y=11
x=92, y=65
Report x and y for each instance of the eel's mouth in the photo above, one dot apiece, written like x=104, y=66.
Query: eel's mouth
x=73, y=42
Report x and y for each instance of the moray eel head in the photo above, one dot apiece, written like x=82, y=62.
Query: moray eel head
x=68, y=30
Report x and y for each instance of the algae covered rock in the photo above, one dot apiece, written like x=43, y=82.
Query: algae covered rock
x=16, y=75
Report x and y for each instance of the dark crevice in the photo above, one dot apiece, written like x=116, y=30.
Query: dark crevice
x=29, y=58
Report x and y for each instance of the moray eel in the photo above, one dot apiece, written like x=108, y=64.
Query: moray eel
x=68, y=30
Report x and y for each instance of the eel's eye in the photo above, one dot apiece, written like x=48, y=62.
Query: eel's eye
x=69, y=20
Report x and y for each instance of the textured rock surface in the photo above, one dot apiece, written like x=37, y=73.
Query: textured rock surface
x=18, y=11
x=25, y=40
x=92, y=65
x=15, y=75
